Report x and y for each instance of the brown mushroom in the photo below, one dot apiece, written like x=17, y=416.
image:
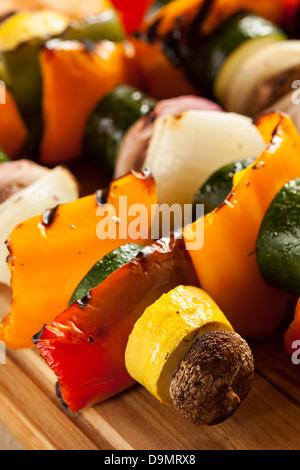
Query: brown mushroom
x=213, y=379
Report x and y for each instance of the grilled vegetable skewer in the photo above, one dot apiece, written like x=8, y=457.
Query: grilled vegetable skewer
x=185, y=352
x=85, y=345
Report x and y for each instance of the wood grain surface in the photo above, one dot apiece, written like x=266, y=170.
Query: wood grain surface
x=134, y=420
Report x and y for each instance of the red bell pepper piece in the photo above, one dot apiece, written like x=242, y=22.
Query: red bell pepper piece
x=132, y=12
x=85, y=345
x=293, y=333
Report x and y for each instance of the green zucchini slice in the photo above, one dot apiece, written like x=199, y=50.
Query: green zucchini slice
x=206, y=61
x=110, y=120
x=278, y=243
x=215, y=190
x=103, y=268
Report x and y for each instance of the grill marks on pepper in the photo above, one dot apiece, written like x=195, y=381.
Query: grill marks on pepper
x=85, y=300
x=199, y=20
x=35, y=339
x=173, y=45
x=258, y=166
x=177, y=42
x=49, y=216
x=152, y=32
x=59, y=395
x=101, y=196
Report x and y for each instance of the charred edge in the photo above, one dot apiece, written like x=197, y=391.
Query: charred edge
x=198, y=21
x=139, y=174
x=6, y=16
x=258, y=166
x=140, y=36
x=152, y=33
x=9, y=259
x=85, y=300
x=49, y=216
x=146, y=172
x=102, y=195
x=173, y=45
x=175, y=240
x=225, y=203
x=59, y=395
x=150, y=117
x=89, y=46
x=147, y=251
x=276, y=130
x=35, y=339
x=259, y=116
x=251, y=253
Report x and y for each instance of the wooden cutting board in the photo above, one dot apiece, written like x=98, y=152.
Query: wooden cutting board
x=134, y=420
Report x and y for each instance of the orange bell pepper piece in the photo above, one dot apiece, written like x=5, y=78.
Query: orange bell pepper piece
x=48, y=262
x=13, y=133
x=208, y=14
x=75, y=78
x=293, y=333
x=227, y=267
x=160, y=78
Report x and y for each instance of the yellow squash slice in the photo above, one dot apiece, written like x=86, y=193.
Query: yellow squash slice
x=164, y=334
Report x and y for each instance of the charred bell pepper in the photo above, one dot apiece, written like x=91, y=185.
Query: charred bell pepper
x=181, y=24
x=227, y=265
x=166, y=39
x=85, y=345
x=50, y=254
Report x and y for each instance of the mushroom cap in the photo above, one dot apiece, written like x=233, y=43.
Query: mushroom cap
x=213, y=379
